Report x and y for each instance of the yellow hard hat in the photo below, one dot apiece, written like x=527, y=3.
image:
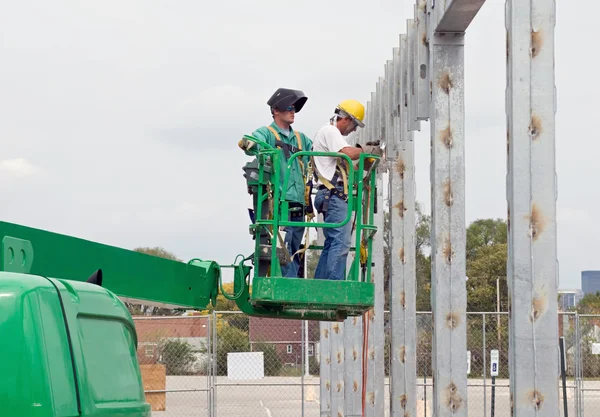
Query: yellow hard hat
x=354, y=109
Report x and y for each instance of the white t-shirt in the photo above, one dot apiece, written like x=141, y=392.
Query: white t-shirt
x=328, y=139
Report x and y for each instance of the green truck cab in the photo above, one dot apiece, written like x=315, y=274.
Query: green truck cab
x=68, y=349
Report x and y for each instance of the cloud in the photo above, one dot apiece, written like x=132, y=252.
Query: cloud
x=18, y=167
x=572, y=215
x=215, y=118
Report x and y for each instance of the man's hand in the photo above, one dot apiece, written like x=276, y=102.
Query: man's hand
x=245, y=144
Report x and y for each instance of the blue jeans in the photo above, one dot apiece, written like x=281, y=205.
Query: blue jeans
x=332, y=263
x=293, y=240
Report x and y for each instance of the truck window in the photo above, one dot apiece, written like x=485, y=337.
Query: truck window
x=110, y=359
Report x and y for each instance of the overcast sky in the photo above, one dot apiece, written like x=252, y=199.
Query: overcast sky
x=119, y=119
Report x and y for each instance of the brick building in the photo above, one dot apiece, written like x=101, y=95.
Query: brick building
x=152, y=331
x=285, y=335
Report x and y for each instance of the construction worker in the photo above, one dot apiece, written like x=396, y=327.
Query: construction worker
x=284, y=104
x=332, y=196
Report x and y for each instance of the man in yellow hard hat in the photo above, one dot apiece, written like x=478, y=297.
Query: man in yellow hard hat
x=332, y=196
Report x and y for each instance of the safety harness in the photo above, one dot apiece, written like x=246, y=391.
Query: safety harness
x=308, y=209
x=289, y=150
x=340, y=171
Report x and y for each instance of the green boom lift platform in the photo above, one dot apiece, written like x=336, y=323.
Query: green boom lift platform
x=69, y=343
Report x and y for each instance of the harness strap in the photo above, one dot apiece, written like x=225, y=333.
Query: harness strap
x=287, y=148
x=339, y=171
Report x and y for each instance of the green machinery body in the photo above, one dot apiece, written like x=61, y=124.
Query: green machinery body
x=68, y=341
x=68, y=349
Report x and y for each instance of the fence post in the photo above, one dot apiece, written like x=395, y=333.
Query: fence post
x=483, y=319
x=211, y=411
x=578, y=370
x=214, y=364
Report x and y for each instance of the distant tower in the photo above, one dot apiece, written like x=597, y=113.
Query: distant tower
x=590, y=281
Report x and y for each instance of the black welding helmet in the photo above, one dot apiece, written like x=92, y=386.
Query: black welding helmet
x=284, y=97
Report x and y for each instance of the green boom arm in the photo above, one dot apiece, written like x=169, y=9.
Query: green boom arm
x=128, y=274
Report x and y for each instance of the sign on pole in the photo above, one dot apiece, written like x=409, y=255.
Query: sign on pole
x=468, y=362
x=494, y=359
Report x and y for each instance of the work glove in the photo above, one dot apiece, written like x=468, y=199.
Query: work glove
x=245, y=144
x=373, y=148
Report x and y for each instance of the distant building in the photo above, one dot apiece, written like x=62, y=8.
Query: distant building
x=154, y=331
x=590, y=282
x=285, y=335
x=569, y=299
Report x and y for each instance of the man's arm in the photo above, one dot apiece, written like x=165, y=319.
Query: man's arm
x=250, y=148
x=353, y=152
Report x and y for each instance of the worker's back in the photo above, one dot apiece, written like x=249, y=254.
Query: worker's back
x=66, y=346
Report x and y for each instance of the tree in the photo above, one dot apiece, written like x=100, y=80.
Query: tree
x=223, y=304
x=423, y=268
x=423, y=258
x=487, y=254
x=158, y=252
x=589, y=304
x=272, y=362
x=485, y=232
x=483, y=268
x=486, y=260
x=177, y=356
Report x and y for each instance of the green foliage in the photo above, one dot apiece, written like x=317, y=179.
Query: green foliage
x=241, y=321
x=423, y=259
x=159, y=252
x=386, y=259
x=485, y=232
x=422, y=229
x=483, y=268
x=224, y=304
x=487, y=253
x=486, y=260
x=589, y=304
x=229, y=339
x=423, y=267
x=177, y=356
x=271, y=359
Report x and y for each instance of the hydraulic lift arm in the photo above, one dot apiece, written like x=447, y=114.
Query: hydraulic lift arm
x=145, y=279
x=131, y=275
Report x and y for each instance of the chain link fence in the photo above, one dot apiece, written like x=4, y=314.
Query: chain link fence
x=229, y=364
x=174, y=356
